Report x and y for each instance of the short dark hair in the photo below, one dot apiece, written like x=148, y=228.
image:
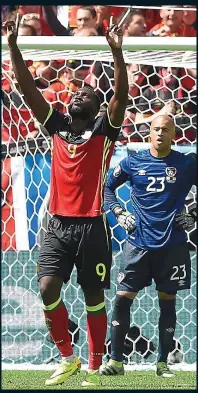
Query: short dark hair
x=90, y=9
x=129, y=18
x=25, y=26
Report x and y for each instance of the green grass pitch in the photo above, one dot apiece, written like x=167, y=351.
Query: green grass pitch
x=132, y=380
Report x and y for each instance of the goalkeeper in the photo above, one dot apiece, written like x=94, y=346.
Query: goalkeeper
x=78, y=233
x=156, y=246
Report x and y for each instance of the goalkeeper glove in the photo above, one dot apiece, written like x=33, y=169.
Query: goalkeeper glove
x=185, y=221
x=125, y=219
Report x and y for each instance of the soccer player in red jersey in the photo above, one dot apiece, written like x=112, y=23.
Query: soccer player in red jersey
x=78, y=233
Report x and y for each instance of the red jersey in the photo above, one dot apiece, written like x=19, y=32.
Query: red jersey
x=79, y=165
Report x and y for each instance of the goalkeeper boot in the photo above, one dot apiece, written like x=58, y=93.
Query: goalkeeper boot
x=163, y=370
x=112, y=368
x=64, y=370
x=92, y=379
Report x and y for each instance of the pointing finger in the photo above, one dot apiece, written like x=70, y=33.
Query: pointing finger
x=17, y=22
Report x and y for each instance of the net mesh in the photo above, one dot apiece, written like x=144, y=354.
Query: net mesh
x=26, y=153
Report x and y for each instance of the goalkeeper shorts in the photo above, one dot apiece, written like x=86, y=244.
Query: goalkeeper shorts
x=169, y=267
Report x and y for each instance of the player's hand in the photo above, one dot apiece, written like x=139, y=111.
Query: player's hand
x=125, y=219
x=11, y=28
x=114, y=37
x=185, y=221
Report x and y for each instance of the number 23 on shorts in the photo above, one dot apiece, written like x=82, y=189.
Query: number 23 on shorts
x=179, y=273
x=101, y=270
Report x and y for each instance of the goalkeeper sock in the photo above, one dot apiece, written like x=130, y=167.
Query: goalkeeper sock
x=96, y=329
x=120, y=324
x=167, y=322
x=56, y=320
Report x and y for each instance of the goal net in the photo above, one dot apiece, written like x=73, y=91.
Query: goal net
x=161, y=74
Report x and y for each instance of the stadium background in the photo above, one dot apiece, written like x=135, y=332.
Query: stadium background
x=25, y=194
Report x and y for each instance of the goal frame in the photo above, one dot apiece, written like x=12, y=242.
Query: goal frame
x=99, y=43
x=93, y=48
x=139, y=50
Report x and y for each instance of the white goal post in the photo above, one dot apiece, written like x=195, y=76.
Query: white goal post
x=177, y=51
x=26, y=171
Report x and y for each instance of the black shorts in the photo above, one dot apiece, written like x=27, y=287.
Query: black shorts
x=170, y=267
x=83, y=242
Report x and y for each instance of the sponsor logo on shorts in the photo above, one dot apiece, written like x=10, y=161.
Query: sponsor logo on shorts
x=171, y=174
x=117, y=171
x=170, y=330
x=181, y=282
x=120, y=277
x=115, y=323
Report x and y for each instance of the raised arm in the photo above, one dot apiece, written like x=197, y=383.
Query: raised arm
x=118, y=102
x=34, y=98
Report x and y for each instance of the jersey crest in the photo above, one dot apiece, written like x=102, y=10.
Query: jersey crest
x=171, y=174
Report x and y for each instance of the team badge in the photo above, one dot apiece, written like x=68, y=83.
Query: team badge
x=120, y=277
x=171, y=174
x=117, y=171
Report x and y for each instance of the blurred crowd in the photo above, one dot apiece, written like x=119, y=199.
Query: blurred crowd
x=70, y=20
x=152, y=89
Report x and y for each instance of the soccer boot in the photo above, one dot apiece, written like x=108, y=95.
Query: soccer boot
x=64, y=370
x=92, y=379
x=162, y=370
x=111, y=368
